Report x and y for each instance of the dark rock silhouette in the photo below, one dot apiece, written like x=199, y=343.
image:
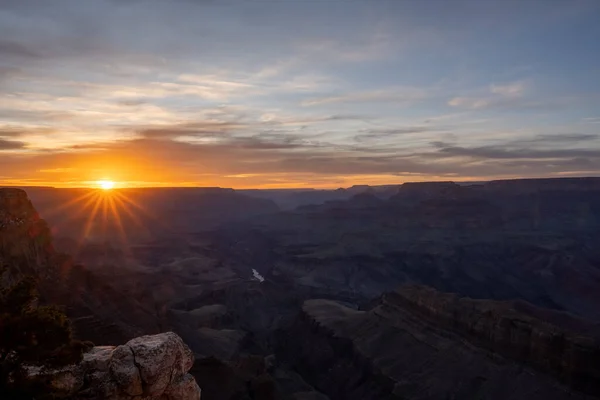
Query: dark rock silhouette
x=421, y=344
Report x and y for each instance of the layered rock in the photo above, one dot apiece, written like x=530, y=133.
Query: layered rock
x=398, y=351
x=147, y=367
x=511, y=330
x=245, y=378
x=530, y=240
x=25, y=239
x=98, y=311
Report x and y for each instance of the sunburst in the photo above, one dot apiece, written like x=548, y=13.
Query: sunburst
x=106, y=184
x=111, y=211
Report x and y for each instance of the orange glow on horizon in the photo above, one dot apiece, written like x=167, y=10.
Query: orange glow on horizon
x=106, y=184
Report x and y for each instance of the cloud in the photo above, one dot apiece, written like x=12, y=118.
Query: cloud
x=561, y=139
x=384, y=133
x=504, y=152
x=276, y=159
x=11, y=145
x=497, y=96
x=592, y=120
x=515, y=89
x=194, y=90
x=16, y=49
x=55, y=170
x=514, y=104
x=200, y=128
x=10, y=132
x=397, y=95
x=229, y=124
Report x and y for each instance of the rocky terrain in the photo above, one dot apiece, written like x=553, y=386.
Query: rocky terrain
x=99, y=312
x=553, y=342
x=240, y=288
x=417, y=343
x=148, y=367
x=533, y=240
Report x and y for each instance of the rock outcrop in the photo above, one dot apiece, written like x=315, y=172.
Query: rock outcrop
x=148, y=367
x=99, y=312
x=512, y=330
x=25, y=239
x=401, y=349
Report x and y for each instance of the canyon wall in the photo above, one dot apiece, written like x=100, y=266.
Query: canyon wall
x=416, y=344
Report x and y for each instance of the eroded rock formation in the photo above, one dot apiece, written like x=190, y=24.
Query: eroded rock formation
x=148, y=367
x=99, y=312
x=25, y=239
x=420, y=344
x=512, y=330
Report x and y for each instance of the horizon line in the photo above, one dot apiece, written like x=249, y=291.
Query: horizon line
x=287, y=188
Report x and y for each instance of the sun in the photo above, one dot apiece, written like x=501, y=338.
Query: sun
x=106, y=185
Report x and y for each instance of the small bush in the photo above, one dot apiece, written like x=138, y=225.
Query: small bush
x=31, y=334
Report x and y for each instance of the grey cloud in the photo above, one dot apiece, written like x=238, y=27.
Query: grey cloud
x=15, y=49
x=34, y=116
x=546, y=146
x=133, y=102
x=501, y=152
x=399, y=95
x=563, y=138
x=267, y=143
x=10, y=133
x=382, y=133
x=495, y=102
x=282, y=140
x=230, y=123
x=228, y=134
x=11, y=144
x=269, y=155
x=199, y=129
x=282, y=151
x=345, y=117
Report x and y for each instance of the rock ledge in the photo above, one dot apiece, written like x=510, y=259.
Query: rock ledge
x=148, y=367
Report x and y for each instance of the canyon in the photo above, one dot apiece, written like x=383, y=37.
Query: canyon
x=420, y=291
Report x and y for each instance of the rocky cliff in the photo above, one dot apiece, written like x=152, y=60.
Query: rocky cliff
x=148, y=367
x=419, y=344
x=512, y=330
x=534, y=240
x=99, y=312
x=25, y=240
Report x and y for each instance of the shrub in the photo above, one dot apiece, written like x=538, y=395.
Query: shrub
x=31, y=334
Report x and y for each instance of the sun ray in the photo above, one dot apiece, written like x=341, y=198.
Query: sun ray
x=82, y=209
x=104, y=221
x=92, y=201
x=142, y=210
x=121, y=230
x=55, y=210
x=89, y=223
x=75, y=208
x=136, y=219
x=164, y=227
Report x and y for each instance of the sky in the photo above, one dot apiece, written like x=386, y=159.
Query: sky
x=289, y=93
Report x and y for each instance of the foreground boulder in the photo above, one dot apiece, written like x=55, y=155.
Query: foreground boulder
x=147, y=367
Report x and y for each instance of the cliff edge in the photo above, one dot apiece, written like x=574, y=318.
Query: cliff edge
x=99, y=312
x=417, y=343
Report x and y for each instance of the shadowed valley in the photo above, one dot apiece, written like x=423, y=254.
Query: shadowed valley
x=419, y=291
